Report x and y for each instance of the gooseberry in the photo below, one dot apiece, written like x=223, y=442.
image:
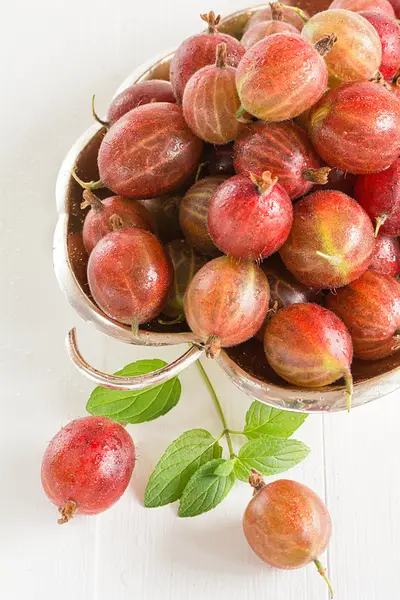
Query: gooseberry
x=285, y=150
x=87, y=466
x=110, y=214
x=370, y=308
x=351, y=122
x=193, y=214
x=379, y=195
x=250, y=217
x=226, y=302
x=282, y=76
x=129, y=276
x=148, y=152
x=265, y=28
x=309, y=346
x=286, y=524
x=210, y=101
x=284, y=289
x=357, y=53
x=331, y=241
x=386, y=257
x=265, y=14
x=396, y=7
x=199, y=51
x=381, y=6
x=389, y=34
x=144, y=92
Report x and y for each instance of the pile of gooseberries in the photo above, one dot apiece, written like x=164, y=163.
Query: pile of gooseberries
x=227, y=207
x=284, y=144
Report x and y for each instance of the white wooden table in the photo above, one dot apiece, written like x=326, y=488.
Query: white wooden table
x=54, y=55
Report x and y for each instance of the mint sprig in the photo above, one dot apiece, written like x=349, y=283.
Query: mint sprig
x=192, y=469
x=139, y=406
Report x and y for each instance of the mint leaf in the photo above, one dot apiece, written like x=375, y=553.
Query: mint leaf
x=225, y=468
x=262, y=419
x=180, y=460
x=241, y=471
x=138, y=406
x=206, y=489
x=271, y=455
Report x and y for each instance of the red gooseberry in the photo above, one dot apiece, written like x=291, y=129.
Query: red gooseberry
x=199, y=51
x=285, y=150
x=265, y=14
x=331, y=241
x=284, y=289
x=396, y=7
x=226, y=302
x=309, y=346
x=250, y=217
x=379, y=195
x=381, y=6
x=286, y=524
x=210, y=101
x=357, y=54
x=389, y=34
x=87, y=466
x=370, y=308
x=110, y=214
x=263, y=29
x=129, y=276
x=282, y=76
x=386, y=257
x=144, y=92
x=149, y=151
x=351, y=122
x=193, y=214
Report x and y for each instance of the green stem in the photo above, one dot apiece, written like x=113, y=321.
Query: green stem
x=236, y=432
x=322, y=572
x=298, y=11
x=240, y=115
x=96, y=116
x=218, y=407
x=87, y=185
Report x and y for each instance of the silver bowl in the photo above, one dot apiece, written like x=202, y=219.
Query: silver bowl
x=245, y=365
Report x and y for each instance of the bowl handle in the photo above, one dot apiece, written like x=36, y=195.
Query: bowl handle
x=138, y=382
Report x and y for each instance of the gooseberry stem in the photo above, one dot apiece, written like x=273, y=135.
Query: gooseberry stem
x=334, y=260
x=91, y=200
x=67, y=512
x=218, y=407
x=276, y=11
x=379, y=222
x=96, y=116
x=348, y=377
x=87, y=185
x=212, y=21
x=300, y=12
x=240, y=115
x=322, y=572
x=325, y=44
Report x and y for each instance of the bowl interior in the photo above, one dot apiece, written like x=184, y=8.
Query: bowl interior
x=248, y=356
